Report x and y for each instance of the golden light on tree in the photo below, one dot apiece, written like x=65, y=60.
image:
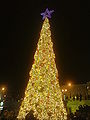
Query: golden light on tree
x=43, y=95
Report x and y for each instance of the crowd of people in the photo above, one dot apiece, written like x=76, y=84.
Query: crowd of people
x=8, y=115
x=83, y=113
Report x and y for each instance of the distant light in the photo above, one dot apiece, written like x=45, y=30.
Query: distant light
x=62, y=90
x=65, y=90
x=87, y=87
x=69, y=84
x=75, y=97
x=1, y=103
x=4, y=95
x=1, y=107
x=3, y=89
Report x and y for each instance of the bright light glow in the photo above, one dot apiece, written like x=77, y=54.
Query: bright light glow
x=2, y=103
x=43, y=95
x=1, y=107
x=87, y=87
x=65, y=90
x=69, y=84
x=62, y=90
x=3, y=89
x=75, y=97
x=4, y=95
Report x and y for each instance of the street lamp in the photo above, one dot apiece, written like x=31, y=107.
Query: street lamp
x=3, y=89
x=65, y=90
x=62, y=90
x=69, y=87
x=69, y=84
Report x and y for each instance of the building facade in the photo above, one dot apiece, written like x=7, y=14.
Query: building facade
x=76, y=91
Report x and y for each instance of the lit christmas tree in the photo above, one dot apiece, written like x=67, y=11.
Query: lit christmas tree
x=43, y=95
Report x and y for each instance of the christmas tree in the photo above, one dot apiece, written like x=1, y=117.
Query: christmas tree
x=43, y=95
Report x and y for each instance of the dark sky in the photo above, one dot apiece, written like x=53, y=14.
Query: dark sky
x=20, y=27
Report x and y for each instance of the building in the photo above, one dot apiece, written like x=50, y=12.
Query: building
x=76, y=91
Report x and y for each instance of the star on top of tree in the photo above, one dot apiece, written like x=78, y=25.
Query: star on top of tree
x=47, y=13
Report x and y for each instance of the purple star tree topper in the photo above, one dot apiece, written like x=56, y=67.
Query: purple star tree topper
x=47, y=13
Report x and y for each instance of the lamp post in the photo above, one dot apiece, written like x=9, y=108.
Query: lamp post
x=2, y=92
x=64, y=93
x=3, y=89
x=69, y=86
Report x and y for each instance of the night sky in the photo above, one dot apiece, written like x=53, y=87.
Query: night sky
x=20, y=28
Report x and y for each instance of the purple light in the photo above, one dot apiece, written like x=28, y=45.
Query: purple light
x=47, y=13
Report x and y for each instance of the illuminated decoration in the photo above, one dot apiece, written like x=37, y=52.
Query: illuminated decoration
x=43, y=95
x=47, y=14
